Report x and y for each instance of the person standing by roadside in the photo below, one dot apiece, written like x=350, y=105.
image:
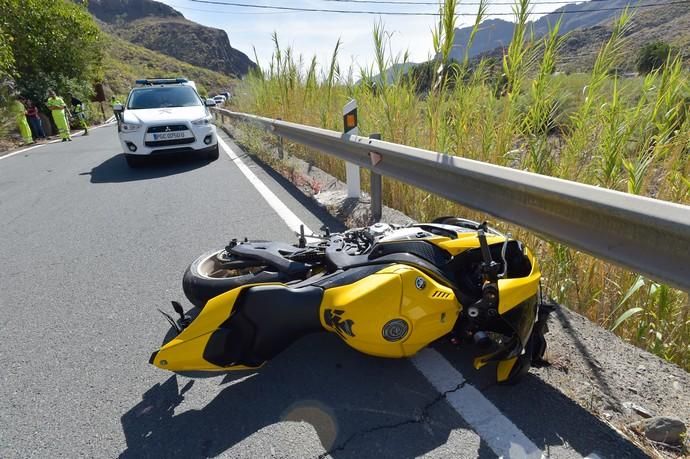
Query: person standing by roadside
x=113, y=102
x=57, y=107
x=19, y=112
x=35, y=120
x=79, y=112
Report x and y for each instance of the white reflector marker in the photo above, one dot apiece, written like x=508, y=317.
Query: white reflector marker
x=350, y=128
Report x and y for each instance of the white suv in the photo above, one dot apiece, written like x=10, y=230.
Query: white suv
x=166, y=116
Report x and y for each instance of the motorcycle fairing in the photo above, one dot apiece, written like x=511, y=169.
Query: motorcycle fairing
x=465, y=241
x=242, y=328
x=249, y=325
x=513, y=291
x=400, y=295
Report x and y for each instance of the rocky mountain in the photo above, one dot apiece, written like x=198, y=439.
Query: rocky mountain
x=158, y=27
x=669, y=24
x=122, y=11
x=497, y=33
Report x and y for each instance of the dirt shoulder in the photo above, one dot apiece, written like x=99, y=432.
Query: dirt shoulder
x=612, y=379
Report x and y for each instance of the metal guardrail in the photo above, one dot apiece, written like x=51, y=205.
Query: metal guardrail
x=648, y=236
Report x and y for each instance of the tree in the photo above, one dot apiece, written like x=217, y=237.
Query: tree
x=6, y=56
x=653, y=56
x=54, y=44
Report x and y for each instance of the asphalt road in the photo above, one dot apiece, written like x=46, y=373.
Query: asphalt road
x=90, y=249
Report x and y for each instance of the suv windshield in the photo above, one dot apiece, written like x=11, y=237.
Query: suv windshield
x=171, y=96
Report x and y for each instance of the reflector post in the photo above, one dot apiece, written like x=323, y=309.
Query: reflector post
x=350, y=127
x=350, y=121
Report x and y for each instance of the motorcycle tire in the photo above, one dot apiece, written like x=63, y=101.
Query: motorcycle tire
x=207, y=277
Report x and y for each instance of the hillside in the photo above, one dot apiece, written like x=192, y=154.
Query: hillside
x=119, y=11
x=497, y=33
x=670, y=24
x=125, y=62
x=159, y=27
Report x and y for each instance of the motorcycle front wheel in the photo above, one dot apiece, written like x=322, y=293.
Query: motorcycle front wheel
x=213, y=274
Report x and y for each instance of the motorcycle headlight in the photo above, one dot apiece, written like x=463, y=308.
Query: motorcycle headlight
x=129, y=127
x=203, y=121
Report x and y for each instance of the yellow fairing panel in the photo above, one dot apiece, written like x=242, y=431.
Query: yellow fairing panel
x=421, y=309
x=512, y=292
x=185, y=351
x=466, y=241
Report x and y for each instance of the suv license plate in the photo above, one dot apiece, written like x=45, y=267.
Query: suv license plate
x=170, y=135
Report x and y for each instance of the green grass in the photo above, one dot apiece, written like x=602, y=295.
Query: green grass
x=631, y=135
x=125, y=62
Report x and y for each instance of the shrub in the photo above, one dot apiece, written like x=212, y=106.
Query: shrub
x=652, y=56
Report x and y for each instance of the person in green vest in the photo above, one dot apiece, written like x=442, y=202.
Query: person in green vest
x=19, y=112
x=79, y=112
x=57, y=107
x=113, y=102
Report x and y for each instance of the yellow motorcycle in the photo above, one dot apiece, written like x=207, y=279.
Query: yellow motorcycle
x=385, y=290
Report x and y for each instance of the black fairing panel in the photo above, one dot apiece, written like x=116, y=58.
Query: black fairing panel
x=266, y=320
x=422, y=249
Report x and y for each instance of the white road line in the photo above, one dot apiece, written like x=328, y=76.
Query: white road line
x=293, y=222
x=502, y=436
x=23, y=150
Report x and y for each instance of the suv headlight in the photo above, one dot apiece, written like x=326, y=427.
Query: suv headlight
x=203, y=121
x=129, y=127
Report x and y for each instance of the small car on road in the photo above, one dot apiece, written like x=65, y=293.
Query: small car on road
x=166, y=116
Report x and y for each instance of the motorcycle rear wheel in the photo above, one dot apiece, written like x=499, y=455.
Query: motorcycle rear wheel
x=210, y=275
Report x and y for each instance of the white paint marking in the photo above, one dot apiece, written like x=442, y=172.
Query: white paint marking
x=23, y=150
x=293, y=222
x=502, y=436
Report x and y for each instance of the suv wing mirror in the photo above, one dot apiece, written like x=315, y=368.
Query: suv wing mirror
x=210, y=103
x=118, y=108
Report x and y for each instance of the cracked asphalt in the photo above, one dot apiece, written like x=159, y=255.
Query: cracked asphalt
x=90, y=249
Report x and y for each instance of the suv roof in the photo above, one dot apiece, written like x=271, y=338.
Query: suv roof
x=164, y=81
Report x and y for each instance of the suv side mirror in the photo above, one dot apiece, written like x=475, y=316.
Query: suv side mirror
x=118, y=108
x=210, y=103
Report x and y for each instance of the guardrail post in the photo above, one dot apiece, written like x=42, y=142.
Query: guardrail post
x=376, y=182
x=280, y=144
x=351, y=170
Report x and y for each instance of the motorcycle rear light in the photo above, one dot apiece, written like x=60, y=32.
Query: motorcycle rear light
x=131, y=147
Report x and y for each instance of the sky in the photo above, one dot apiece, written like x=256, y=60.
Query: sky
x=315, y=33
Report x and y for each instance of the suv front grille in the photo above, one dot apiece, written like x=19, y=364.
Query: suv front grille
x=164, y=143
x=167, y=128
